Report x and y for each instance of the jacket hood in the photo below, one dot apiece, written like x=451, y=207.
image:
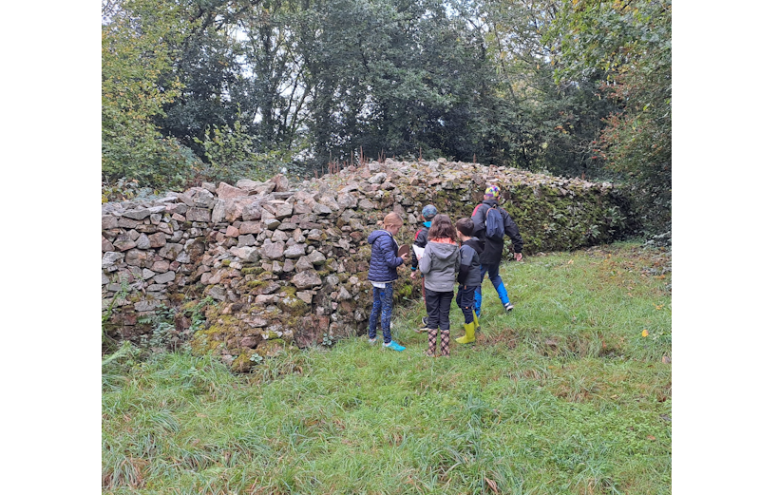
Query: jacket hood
x=377, y=234
x=442, y=250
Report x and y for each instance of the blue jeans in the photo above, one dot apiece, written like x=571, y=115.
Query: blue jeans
x=382, y=305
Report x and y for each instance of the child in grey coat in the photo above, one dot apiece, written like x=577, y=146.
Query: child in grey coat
x=440, y=265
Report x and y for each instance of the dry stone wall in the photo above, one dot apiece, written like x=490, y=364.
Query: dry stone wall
x=289, y=264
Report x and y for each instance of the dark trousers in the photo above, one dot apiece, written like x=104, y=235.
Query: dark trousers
x=466, y=301
x=438, y=305
x=382, y=306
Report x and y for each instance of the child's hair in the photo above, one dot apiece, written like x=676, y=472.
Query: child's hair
x=442, y=228
x=392, y=218
x=465, y=226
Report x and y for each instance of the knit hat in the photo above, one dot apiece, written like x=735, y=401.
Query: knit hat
x=493, y=191
x=429, y=212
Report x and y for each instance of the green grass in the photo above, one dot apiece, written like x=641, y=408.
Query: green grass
x=564, y=395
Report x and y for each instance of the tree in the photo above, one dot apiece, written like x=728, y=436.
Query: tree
x=136, y=38
x=629, y=45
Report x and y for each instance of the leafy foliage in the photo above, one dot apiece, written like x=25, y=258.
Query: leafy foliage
x=629, y=44
x=576, y=88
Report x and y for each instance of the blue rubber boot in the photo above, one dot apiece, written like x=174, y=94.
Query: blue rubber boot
x=502, y=291
x=476, y=301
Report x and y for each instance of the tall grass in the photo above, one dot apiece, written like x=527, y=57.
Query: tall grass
x=564, y=395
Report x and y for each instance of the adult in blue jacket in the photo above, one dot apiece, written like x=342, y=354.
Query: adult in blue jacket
x=382, y=272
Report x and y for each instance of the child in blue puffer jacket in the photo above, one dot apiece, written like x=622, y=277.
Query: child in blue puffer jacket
x=382, y=272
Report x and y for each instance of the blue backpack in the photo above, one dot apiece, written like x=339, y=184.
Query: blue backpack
x=494, y=224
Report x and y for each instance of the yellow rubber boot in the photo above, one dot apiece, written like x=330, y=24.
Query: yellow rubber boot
x=469, y=334
x=475, y=321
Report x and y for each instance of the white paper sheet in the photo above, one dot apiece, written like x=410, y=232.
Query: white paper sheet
x=418, y=251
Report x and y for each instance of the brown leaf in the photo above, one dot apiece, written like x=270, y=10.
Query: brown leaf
x=650, y=437
x=492, y=485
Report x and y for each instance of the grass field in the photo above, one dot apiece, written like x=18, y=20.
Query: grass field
x=569, y=394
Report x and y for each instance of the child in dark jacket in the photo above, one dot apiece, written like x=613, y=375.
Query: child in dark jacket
x=420, y=240
x=469, y=278
x=382, y=272
x=439, y=264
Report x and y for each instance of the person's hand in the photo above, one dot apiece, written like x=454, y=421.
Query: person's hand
x=413, y=275
x=518, y=256
x=405, y=257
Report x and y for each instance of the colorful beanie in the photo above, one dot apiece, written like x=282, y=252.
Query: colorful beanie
x=493, y=191
x=429, y=212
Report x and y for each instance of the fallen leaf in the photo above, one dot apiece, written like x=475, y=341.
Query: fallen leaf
x=492, y=485
x=644, y=333
x=666, y=359
x=650, y=437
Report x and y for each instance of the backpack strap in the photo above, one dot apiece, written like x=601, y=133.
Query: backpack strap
x=475, y=211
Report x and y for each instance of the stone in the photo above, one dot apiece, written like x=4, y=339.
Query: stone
x=246, y=254
x=250, y=228
x=303, y=264
x=366, y=204
x=247, y=184
x=305, y=296
x=109, y=222
x=288, y=266
x=316, y=258
x=218, y=292
x=321, y=209
x=217, y=214
x=295, y=251
x=314, y=235
x=170, y=250
x=111, y=258
x=202, y=197
x=146, y=274
x=143, y=242
x=226, y=192
x=271, y=223
x=137, y=214
x=283, y=211
x=306, y=279
x=344, y=295
x=233, y=232
x=160, y=266
x=209, y=187
x=347, y=201
x=266, y=299
x=137, y=257
x=157, y=240
x=246, y=240
x=287, y=226
x=280, y=183
x=257, y=322
x=279, y=235
x=164, y=278
x=377, y=178
x=330, y=202
x=105, y=245
x=198, y=215
x=273, y=250
x=146, y=306
x=124, y=243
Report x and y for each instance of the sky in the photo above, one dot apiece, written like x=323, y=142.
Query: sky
x=51, y=325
